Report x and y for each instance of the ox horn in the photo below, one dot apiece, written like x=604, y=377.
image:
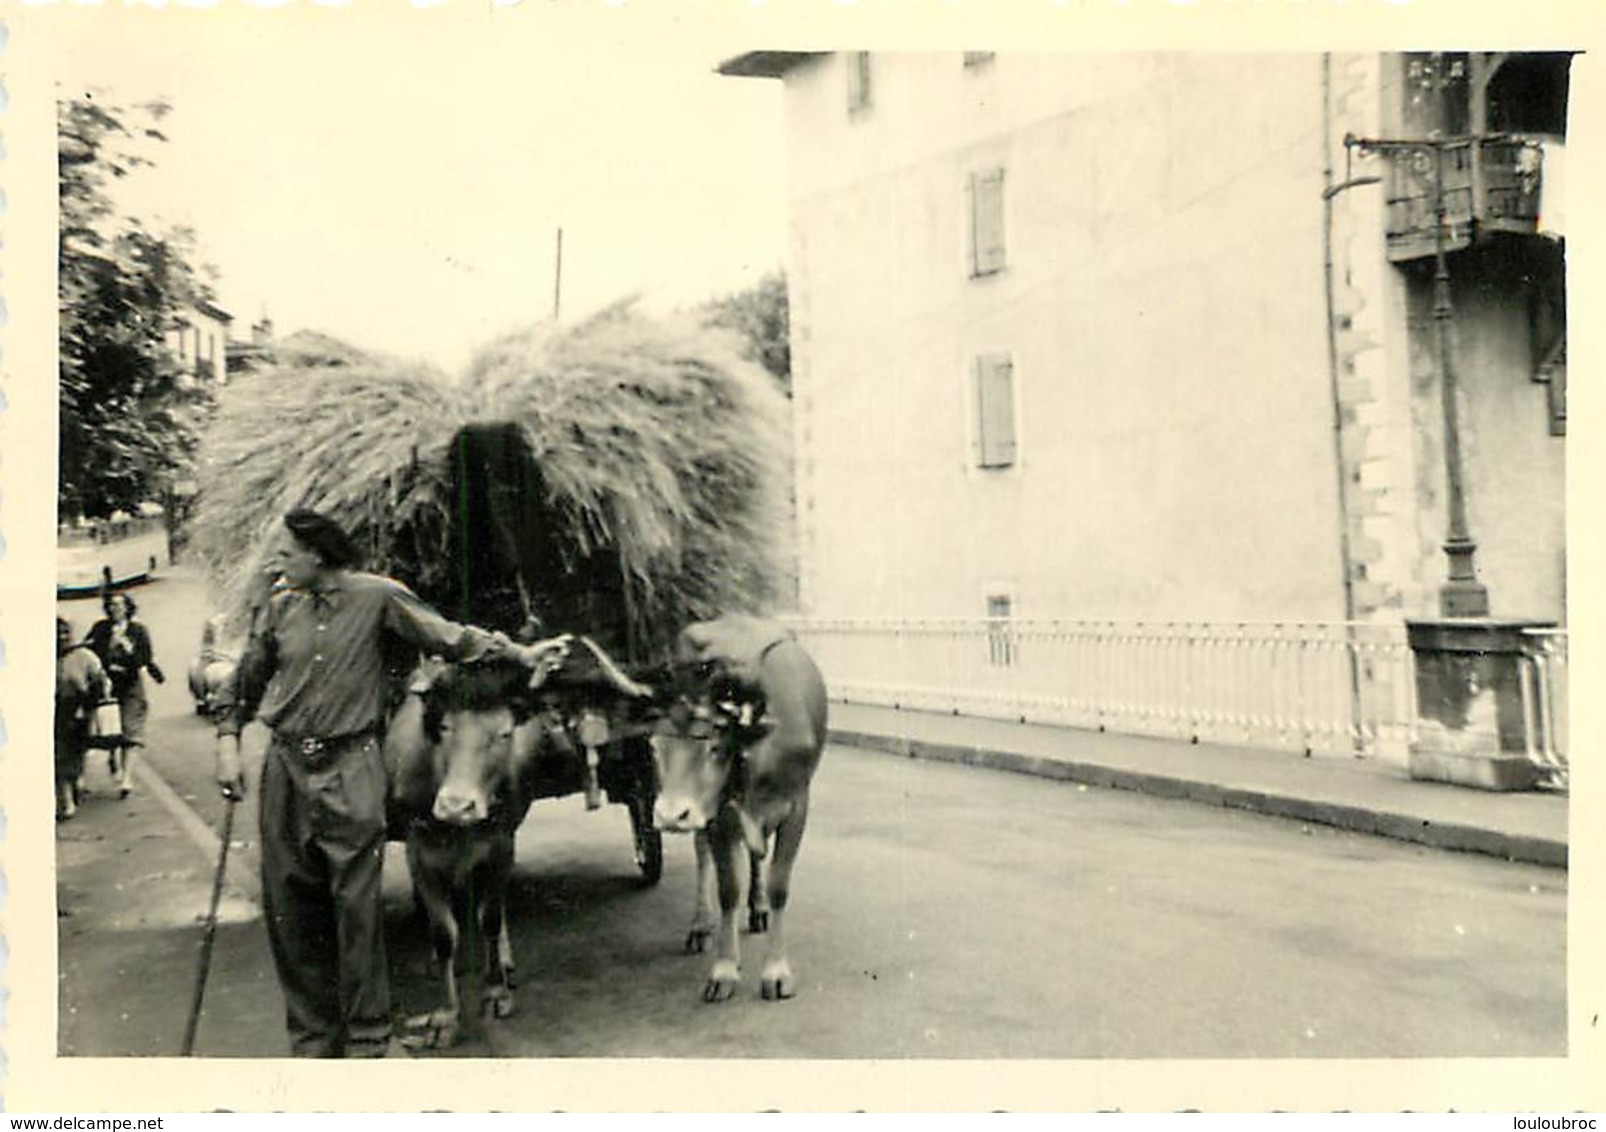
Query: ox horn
x=616, y=675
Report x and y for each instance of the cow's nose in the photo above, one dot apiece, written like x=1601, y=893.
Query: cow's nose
x=677, y=816
x=457, y=809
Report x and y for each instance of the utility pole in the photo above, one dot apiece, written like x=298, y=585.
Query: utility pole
x=557, y=278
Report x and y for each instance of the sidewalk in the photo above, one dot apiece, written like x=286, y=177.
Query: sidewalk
x=1363, y=795
x=133, y=882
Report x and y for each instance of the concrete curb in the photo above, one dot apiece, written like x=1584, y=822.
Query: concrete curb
x=1358, y=819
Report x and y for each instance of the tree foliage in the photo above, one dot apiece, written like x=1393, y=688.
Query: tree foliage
x=759, y=315
x=129, y=413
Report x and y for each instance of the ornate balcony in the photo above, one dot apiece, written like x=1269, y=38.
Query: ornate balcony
x=1491, y=184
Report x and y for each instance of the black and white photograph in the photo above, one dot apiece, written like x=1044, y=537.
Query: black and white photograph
x=718, y=559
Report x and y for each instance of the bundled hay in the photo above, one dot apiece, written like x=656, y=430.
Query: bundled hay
x=619, y=477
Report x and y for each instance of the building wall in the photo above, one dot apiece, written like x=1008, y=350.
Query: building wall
x=200, y=337
x=1163, y=304
x=1514, y=472
x=1513, y=468
x=1378, y=456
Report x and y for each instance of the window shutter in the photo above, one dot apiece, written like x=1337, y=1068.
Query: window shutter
x=987, y=222
x=995, y=404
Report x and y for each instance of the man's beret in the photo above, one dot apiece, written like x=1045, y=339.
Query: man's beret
x=323, y=536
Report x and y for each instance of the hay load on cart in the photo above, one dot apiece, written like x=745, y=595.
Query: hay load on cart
x=617, y=479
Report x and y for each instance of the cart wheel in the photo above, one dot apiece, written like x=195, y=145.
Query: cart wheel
x=649, y=844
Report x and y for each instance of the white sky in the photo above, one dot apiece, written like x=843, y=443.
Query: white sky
x=399, y=182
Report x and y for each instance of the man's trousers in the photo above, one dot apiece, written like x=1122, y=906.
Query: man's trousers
x=323, y=843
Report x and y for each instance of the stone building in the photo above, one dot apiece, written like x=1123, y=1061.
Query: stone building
x=1152, y=339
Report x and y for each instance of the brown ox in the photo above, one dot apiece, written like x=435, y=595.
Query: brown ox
x=470, y=749
x=460, y=751
x=735, y=755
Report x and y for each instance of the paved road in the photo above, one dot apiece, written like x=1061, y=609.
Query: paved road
x=947, y=911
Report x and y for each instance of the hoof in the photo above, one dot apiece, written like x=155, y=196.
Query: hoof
x=774, y=990
x=777, y=982
x=758, y=921
x=697, y=940
x=722, y=982
x=499, y=1002
x=435, y=1030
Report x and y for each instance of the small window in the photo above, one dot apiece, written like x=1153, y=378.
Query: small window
x=1001, y=649
x=986, y=223
x=995, y=411
x=979, y=58
x=858, y=81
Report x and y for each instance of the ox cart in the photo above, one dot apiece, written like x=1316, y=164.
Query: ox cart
x=507, y=569
x=499, y=574
x=614, y=480
x=607, y=758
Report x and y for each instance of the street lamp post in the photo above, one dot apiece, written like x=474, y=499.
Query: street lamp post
x=1462, y=594
x=1468, y=666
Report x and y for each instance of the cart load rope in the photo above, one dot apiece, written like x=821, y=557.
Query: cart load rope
x=622, y=477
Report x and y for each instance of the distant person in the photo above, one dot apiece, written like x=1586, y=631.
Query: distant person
x=214, y=665
x=314, y=672
x=124, y=647
x=80, y=685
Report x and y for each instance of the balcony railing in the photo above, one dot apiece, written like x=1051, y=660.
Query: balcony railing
x=1490, y=185
x=1332, y=687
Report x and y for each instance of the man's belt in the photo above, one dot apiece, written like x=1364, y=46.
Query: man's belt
x=318, y=751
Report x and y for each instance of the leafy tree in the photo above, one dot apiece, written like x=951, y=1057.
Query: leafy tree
x=759, y=314
x=129, y=413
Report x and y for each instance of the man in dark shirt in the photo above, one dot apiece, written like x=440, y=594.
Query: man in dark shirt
x=313, y=672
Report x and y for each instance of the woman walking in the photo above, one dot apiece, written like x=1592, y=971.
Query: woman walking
x=80, y=685
x=124, y=647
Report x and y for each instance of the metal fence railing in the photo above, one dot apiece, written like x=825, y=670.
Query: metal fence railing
x=1313, y=686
